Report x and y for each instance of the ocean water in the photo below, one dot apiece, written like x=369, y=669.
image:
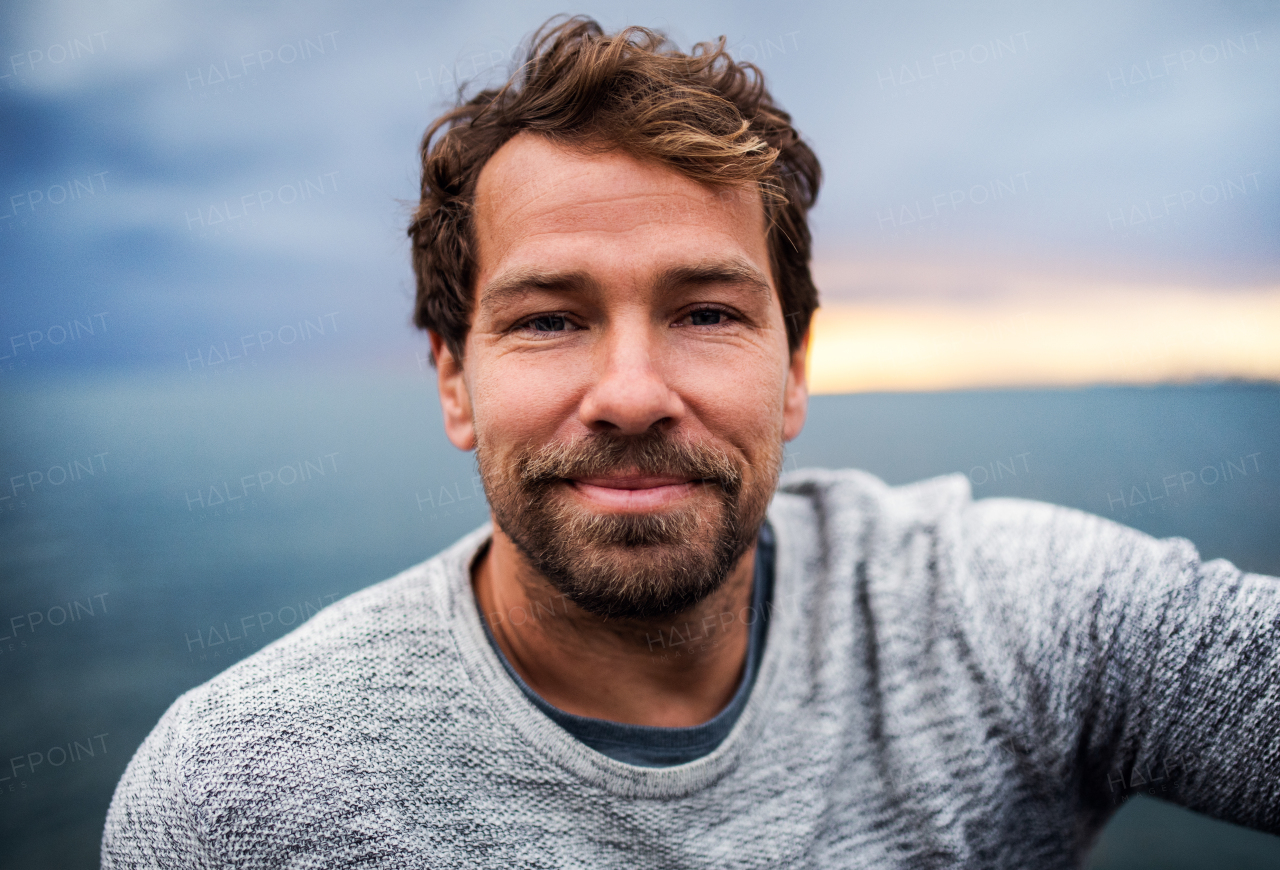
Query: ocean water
x=155, y=530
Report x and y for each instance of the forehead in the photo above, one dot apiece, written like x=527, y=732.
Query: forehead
x=537, y=199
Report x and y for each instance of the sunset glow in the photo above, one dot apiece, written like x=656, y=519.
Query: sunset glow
x=1111, y=335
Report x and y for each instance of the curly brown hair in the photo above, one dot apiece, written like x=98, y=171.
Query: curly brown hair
x=703, y=114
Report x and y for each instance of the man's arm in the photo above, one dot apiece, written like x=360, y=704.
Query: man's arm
x=152, y=822
x=1134, y=665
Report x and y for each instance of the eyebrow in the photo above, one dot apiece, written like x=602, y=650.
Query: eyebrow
x=717, y=272
x=515, y=284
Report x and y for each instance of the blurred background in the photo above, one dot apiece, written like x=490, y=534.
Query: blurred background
x=1047, y=247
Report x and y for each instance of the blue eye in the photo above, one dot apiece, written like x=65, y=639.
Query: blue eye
x=549, y=323
x=707, y=317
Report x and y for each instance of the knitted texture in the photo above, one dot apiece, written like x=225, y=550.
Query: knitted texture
x=946, y=683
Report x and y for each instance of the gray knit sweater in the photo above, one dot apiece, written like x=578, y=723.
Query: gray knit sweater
x=946, y=683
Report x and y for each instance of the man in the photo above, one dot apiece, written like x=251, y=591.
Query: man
x=651, y=658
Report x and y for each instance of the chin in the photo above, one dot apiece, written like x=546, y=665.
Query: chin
x=651, y=563
x=644, y=565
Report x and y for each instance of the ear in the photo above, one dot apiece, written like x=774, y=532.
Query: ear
x=455, y=400
x=795, y=402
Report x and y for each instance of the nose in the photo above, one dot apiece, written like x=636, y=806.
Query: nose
x=630, y=393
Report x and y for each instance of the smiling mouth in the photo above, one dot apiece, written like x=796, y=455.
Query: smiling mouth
x=634, y=492
x=633, y=481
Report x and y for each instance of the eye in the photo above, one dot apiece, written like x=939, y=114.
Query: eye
x=707, y=317
x=547, y=323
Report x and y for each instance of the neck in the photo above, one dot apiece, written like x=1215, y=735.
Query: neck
x=676, y=671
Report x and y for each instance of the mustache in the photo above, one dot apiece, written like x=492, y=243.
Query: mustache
x=652, y=453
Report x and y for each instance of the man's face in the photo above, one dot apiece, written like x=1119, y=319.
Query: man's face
x=626, y=383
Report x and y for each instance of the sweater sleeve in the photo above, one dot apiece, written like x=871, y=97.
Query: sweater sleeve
x=151, y=822
x=1133, y=665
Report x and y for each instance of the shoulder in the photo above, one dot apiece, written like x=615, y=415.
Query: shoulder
x=1020, y=538
x=847, y=504
x=848, y=490
x=1007, y=541
x=993, y=524
x=283, y=707
x=403, y=612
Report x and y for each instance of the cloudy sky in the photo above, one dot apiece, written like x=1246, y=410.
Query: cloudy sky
x=1012, y=190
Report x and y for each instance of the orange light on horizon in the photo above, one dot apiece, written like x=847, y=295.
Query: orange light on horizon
x=1117, y=334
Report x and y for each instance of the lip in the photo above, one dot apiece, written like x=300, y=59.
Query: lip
x=634, y=492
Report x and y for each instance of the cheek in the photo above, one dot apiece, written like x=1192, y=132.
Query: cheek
x=738, y=399
x=520, y=402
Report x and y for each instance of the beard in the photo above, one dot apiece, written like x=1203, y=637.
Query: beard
x=644, y=566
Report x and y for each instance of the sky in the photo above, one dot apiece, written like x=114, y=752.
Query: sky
x=1014, y=193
